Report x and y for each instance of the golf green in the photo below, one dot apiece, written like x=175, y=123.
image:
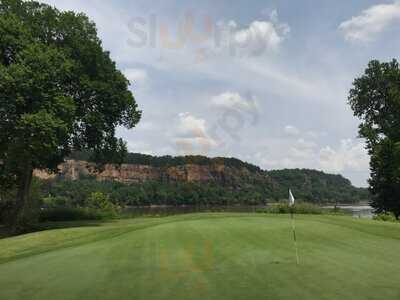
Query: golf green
x=206, y=256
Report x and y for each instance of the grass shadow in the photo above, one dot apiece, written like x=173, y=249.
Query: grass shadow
x=5, y=232
x=72, y=224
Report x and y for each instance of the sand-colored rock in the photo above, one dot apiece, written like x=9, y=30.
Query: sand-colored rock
x=128, y=173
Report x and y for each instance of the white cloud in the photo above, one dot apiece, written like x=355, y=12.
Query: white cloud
x=370, y=22
x=191, y=135
x=139, y=147
x=146, y=125
x=292, y=131
x=350, y=156
x=303, y=149
x=271, y=78
x=137, y=77
x=259, y=37
x=189, y=125
x=230, y=100
x=286, y=153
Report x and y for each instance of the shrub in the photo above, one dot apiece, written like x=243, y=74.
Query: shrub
x=101, y=202
x=55, y=202
x=62, y=214
x=98, y=200
x=386, y=217
x=6, y=207
x=28, y=216
x=96, y=206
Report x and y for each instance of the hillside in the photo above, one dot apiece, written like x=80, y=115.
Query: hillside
x=145, y=180
x=313, y=185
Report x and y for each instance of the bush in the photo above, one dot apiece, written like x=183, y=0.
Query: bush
x=100, y=201
x=300, y=208
x=96, y=207
x=55, y=202
x=62, y=214
x=27, y=218
x=386, y=217
x=6, y=207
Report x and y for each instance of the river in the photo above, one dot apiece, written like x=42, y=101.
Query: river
x=358, y=211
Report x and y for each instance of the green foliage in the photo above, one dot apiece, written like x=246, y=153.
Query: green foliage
x=7, y=199
x=28, y=217
x=172, y=161
x=101, y=202
x=386, y=217
x=55, y=202
x=94, y=206
x=76, y=193
x=375, y=99
x=64, y=214
x=81, y=193
x=59, y=90
x=315, y=186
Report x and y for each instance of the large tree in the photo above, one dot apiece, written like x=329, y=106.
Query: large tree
x=375, y=99
x=59, y=92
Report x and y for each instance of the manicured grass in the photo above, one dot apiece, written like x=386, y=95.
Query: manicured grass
x=207, y=256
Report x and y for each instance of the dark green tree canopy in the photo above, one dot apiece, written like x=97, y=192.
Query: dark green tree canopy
x=59, y=90
x=375, y=99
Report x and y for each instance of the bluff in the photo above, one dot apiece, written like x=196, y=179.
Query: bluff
x=199, y=175
x=139, y=173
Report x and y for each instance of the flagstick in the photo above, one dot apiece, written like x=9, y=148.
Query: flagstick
x=294, y=236
x=291, y=204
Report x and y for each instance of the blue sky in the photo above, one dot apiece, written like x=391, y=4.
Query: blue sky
x=264, y=81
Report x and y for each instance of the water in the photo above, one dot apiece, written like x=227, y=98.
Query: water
x=177, y=210
x=358, y=211
x=364, y=211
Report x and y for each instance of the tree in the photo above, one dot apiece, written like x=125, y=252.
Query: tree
x=59, y=92
x=100, y=201
x=375, y=99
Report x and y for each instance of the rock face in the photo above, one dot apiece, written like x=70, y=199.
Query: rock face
x=128, y=173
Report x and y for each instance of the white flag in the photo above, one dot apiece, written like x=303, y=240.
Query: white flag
x=291, y=198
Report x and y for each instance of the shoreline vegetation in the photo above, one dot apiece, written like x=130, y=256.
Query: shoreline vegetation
x=75, y=214
x=52, y=217
x=64, y=217
x=58, y=218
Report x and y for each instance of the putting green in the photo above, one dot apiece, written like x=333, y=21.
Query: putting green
x=206, y=256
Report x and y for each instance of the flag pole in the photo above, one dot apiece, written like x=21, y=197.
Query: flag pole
x=291, y=204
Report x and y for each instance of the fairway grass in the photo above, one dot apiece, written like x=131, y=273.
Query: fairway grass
x=206, y=256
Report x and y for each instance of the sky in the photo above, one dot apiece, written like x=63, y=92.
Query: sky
x=264, y=81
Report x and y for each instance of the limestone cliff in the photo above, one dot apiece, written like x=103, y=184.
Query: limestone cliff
x=131, y=173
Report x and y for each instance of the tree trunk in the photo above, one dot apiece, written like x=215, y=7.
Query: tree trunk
x=24, y=186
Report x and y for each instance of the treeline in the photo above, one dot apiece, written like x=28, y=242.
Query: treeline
x=316, y=186
x=171, y=161
x=75, y=193
x=307, y=185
